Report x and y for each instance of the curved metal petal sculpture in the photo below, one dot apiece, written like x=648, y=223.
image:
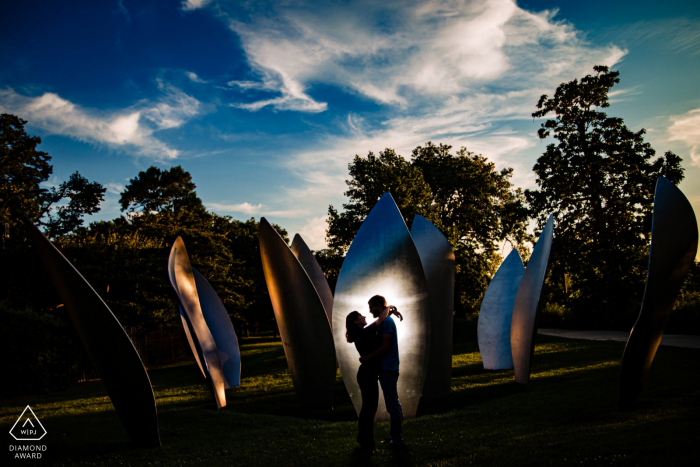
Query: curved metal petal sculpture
x=302, y=320
x=182, y=280
x=496, y=313
x=524, y=322
x=674, y=244
x=219, y=324
x=438, y=262
x=315, y=273
x=186, y=327
x=383, y=260
x=111, y=351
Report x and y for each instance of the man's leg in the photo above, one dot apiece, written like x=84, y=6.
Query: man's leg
x=388, y=380
x=370, y=399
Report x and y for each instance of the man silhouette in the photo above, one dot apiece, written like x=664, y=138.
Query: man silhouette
x=389, y=371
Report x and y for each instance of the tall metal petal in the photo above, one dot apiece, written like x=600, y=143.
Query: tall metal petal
x=302, y=321
x=182, y=280
x=438, y=262
x=219, y=324
x=315, y=273
x=111, y=351
x=383, y=260
x=674, y=244
x=496, y=313
x=524, y=322
x=193, y=347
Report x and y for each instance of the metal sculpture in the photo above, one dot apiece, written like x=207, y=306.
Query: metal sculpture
x=183, y=281
x=524, y=322
x=496, y=313
x=302, y=321
x=674, y=244
x=313, y=270
x=111, y=351
x=383, y=260
x=219, y=324
x=438, y=262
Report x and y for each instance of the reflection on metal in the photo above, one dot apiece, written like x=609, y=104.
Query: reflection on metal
x=674, y=243
x=383, y=260
x=302, y=321
x=493, y=330
x=182, y=280
x=109, y=347
x=189, y=339
x=438, y=262
x=219, y=324
x=308, y=261
x=524, y=323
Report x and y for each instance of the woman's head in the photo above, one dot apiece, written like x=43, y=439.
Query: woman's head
x=354, y=321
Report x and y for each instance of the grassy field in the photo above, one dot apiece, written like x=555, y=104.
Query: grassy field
x=566, y=416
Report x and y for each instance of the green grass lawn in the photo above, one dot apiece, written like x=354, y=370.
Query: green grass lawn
x=566, y=416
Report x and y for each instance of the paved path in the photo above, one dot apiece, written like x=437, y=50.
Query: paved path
x=675, y=340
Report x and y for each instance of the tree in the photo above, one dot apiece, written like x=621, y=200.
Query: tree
x=599, y=182
x=23, y=168
x=463, y=195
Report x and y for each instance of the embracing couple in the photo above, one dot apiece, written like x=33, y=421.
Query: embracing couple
x=379, y=356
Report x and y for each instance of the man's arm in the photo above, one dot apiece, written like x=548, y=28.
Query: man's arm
x=386, y=345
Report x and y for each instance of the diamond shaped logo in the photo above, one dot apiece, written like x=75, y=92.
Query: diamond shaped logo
x=28, y=427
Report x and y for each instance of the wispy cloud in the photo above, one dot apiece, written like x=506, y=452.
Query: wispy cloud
x=686, y=129
x=191, y=5
x=114, y=188
x=405, y=54
x=130, y=128
x=463, y=72
x=195, y=78
x=256, y=209
x=679, y=35
x=314, y=232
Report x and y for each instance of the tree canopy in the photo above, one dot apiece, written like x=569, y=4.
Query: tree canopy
x=473, y=204
x=598, y=180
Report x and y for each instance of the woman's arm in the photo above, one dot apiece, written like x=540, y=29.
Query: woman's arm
x=386, y=344
x=384, y=314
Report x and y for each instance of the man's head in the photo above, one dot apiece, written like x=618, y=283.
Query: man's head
x=376, y=305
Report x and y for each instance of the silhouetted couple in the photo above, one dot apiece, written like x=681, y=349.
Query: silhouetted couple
x=379, y=357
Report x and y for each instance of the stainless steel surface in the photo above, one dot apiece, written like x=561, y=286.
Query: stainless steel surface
x=193, y=347
x=383, y=260
x=219, y=324
x=313, y=270
x=674, y=244
x=182, y=280
x=109, y=347
x=496, y=313
x=524, y=323
x=438, y=262
x=302, y=321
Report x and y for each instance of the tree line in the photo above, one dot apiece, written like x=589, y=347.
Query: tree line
x=596, y=176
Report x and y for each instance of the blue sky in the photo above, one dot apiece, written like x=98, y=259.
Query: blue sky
x=266, y=103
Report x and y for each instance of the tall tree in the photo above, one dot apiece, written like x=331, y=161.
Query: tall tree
x=471, y=202
x=23, y=168
x=598, y=180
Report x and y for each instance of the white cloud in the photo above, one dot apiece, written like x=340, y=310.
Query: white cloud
x=462, y=72
x=314, y=232
x=402, y=53
x=686, y=129
x=195, y=78
x=114, y=188
x=191, y=5
x=133, y=127
x=245, y=208
x=256, y=209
